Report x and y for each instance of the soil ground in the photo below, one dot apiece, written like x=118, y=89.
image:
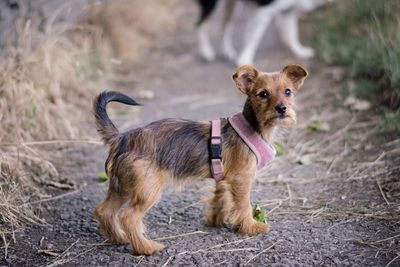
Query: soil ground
x=330, y=211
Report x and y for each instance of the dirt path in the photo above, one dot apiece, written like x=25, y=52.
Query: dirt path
x=329, y=212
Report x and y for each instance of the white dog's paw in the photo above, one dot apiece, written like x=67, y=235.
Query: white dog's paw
x=305, y=52
x=229, y=52
x=207, y=53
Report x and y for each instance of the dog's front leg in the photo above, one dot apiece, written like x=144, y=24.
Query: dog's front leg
x=231, y=204
x=205, y=47
x=220, y=206
x=242, y=213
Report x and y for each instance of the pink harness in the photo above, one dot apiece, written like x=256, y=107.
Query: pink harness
x=263, y=151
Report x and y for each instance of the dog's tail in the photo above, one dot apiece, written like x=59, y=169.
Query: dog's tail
x=105, y=127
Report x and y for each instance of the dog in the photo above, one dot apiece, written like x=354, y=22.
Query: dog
x=142, y=160
x=285, y=13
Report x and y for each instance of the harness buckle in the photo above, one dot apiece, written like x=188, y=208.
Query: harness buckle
x=216, y=148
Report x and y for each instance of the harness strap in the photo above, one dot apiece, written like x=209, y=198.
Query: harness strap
x=217, y=168
x=263, y=150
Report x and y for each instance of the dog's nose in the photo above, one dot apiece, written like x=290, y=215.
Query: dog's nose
x=280, y=108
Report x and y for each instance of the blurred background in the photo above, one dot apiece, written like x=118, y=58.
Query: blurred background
x=337, y=173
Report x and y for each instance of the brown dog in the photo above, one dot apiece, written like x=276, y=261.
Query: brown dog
x=140, y=160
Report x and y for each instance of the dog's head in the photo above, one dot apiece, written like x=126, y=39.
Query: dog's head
x=271, y=95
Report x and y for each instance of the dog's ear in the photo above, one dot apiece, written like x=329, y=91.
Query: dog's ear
x=296, y=73
x=245, y=77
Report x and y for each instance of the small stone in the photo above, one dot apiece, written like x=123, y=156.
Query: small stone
x=305, y=160
x=7, y=260
x=350, y=101
x=362, y=105
x=357, y=104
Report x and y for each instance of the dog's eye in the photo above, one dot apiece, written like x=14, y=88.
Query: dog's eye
x=288, y=92
x=263, y=94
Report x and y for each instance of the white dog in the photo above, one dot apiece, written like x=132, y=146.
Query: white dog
x=283, y=12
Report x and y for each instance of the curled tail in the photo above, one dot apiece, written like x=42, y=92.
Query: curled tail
x=105, y=127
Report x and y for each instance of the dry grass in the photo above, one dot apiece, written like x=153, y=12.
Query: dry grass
x=15, y=189
x=40, y=84
x=131, y=27
x=47, y=80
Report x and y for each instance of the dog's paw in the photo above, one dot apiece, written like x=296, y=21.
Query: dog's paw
x=215, y=220
x=305, y=52
x=253, y=228
x=148, y=248
x=211, y=220
x=118, y=239
x=229, y=52
x=207, y=53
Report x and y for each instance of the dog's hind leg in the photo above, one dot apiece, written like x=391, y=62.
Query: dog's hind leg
x=107, y=215
x=147, y=188
x=227, y=28
x=256, y=27
x=288, y=27
x=254, y=33
x=205, y=47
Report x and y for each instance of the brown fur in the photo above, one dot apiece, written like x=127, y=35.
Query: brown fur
x=141, y=159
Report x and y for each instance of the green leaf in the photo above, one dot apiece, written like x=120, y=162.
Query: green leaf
x=278, y=149
x=259, y=214
x=102, y=177
x=318, y=126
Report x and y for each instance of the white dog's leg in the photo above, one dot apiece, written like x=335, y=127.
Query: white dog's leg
x=256, y=28
x=288, y=26
x=227, y=28
x=205, y=47
x=310, y=5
